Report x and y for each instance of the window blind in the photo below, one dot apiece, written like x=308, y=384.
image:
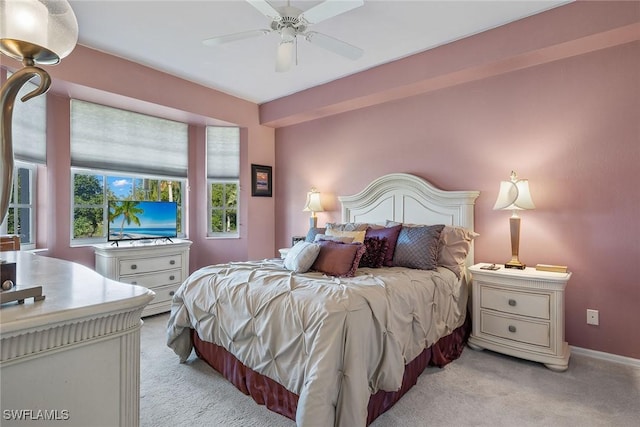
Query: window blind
x=111, y=139
x=29, y=126
x=223, y=152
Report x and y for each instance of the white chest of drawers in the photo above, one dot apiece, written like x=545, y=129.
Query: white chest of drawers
x=520, y=313
x=159, y=266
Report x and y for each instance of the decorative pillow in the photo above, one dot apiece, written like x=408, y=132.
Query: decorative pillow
x=391, y=234
x=311, y=234
x=338, y=259
x=376, y=249
x=375, y=226
x=358, y=236
x=301, y=256
x=455, y=243
x=320, y=237
x=417, y=247
x=347, y=226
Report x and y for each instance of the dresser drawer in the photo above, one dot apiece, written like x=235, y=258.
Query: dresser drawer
x=515, y=329
x=145, y=265
x=513, y=302
x=153, y=280
x=164, y=294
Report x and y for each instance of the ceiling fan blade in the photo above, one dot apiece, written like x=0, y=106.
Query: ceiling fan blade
x=285, y=57
x=334, y=45
x=215, y=41
x=329, y=9
x=265, y=8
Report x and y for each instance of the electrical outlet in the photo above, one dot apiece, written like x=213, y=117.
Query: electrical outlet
x=592, y=317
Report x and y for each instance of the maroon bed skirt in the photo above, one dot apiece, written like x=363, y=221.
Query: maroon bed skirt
x=274, y=396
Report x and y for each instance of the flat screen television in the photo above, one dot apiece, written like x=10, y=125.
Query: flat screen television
x=141, y=220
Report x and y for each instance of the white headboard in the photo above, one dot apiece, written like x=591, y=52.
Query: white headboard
x=403, y=197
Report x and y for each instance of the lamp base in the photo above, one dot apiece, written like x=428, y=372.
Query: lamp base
x=514, y=225
x=515, y=264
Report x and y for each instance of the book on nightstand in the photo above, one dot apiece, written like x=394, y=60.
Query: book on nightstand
x=552, y=268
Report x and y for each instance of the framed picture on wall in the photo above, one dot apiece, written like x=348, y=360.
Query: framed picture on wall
x=261, y=177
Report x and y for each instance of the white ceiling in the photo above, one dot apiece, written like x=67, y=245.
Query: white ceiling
x=167, y=35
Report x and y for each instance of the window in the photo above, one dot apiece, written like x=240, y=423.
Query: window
x=92, y=192
x=29, y=124
x=223, y=180
x=20, y=218
x=122, y=155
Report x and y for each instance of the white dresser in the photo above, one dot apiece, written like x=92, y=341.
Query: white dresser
x=520, y=313
x=72, y=359
x=159, y=266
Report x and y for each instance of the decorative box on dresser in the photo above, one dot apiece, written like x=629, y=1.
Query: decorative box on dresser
x=520, y=313
x=160, y=266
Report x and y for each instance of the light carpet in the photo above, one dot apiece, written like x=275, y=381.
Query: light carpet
x=481, y=388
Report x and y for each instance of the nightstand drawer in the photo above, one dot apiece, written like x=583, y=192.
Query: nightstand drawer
x=153, y=280
x=144, y=265
x=520, y=303
x=515, y=329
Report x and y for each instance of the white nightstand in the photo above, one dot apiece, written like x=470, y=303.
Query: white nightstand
x=520, y=313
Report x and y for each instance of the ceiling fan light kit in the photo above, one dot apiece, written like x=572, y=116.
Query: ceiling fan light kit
x=290, y=22
x=286, y=56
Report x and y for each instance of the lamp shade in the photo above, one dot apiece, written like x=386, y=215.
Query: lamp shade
x=44, y=31
x=514, y=195
x=313, y=202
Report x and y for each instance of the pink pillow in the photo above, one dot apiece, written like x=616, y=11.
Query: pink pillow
x=455, y=243
x=338, y=259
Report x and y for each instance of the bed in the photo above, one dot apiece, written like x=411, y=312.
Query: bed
x=334, y=349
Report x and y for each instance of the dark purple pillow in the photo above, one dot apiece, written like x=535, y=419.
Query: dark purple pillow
x=391, y=234
x=338, y=259
x=376, y=249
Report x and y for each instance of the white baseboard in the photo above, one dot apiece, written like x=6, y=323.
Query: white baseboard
x=629, y=361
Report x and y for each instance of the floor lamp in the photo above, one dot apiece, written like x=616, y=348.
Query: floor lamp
x=514, y=195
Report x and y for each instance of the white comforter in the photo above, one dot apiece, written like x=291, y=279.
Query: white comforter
x=332, y=341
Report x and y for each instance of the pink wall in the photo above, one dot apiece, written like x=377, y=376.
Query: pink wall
x=570, y=124
x=98, y=77
x=554, y=97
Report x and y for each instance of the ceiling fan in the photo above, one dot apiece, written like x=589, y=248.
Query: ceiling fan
x=290, y=22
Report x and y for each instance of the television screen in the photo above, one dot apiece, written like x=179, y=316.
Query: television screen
x=139, y=220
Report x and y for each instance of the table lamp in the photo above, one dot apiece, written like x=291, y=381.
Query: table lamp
x=514, y=195
x=33, y=32
x=313, y=205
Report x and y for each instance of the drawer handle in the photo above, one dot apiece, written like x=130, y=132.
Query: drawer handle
x=134, y=283
x=512, y=328
x=133, y=266
x=172, y=277
x=172, y=293
x=512, y=302
x=172, y=262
